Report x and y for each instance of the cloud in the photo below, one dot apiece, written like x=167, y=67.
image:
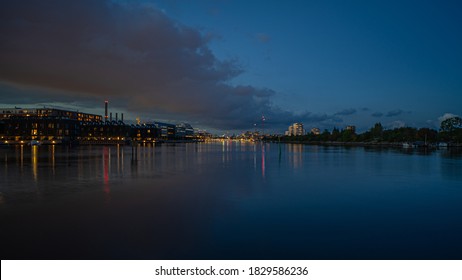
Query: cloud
x=377, y=114
x=396, y=124
x=446, y=116
x=281, y=118
x=394, y=113
x=130, y=53
x=346, y=112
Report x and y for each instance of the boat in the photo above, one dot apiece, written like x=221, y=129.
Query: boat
x=442, y=145
x=407, y=145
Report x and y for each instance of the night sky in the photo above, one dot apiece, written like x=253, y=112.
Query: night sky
x=221, y=65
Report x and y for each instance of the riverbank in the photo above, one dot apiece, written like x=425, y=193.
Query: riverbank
x=94, y=142
x=372, y=144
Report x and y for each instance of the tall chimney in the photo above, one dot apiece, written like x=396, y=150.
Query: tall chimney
x=122, y=117
x=110, y=116
x=117, y=117
x=105, y=110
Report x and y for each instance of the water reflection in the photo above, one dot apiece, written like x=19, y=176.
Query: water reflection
x=135, y=152
x=21, y=148
x=119, y=159
x=6, y=164
x=263, y=161
x=296, y=155
x=106, y=169
x=52, y=159
x=453, y=153
x=450, y=164
x=227, y=149
x=255, y=157
x=34, y=160
x=223, y=200
x=78, y=166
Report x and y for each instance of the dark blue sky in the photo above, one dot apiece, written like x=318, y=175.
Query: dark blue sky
x=222, y=64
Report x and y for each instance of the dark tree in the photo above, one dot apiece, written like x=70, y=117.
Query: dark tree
x=377, y=131
x=451, y=130
x=325, y=136
x=335, y=136
x=451, y=124
x=427, y=134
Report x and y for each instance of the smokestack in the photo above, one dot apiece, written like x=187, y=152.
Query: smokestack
x=110, y=116
x=122, y=117
x=105, y=110
x=117, y=117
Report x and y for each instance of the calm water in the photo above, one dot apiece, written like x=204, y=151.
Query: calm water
x=229, y=201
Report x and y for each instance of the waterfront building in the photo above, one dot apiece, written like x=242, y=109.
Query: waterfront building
x=250, y=135
x=351, y=128
x=202, y=134
x=39, y=128
x=315, y=131
x=2, y=128
x=296, y=129
x=7, y=113
x=145, y=132
x=53, y=126
x=184, y=131
x=94, y=132
x=43, y=124
x=166, y=130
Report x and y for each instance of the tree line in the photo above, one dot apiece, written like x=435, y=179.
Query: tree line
x=450, y=131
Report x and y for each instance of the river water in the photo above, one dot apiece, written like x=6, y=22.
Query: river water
x=229, y=200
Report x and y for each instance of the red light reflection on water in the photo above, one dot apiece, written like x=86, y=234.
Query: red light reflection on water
x=106, y=189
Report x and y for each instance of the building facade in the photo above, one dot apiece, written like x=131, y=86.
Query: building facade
x=39, y=128
x=296, y=129
x=184, y=131
x=351, y=128
x=8, y=113
x=53, y=126
x=315, y=131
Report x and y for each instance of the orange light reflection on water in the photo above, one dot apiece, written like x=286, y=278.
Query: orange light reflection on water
x=34, y=160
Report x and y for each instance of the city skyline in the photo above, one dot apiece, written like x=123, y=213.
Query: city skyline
x=222, y=65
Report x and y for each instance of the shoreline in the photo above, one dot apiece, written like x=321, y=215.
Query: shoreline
x=369, y=144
